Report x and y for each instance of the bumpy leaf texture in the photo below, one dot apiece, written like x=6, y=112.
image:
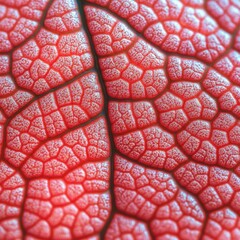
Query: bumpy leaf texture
x=120, y=119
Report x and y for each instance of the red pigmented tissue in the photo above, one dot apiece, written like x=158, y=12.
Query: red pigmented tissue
x=120, y=119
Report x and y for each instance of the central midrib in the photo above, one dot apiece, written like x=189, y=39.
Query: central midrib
x=106, y=100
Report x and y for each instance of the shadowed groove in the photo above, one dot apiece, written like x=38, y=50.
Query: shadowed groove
x=81, y=5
